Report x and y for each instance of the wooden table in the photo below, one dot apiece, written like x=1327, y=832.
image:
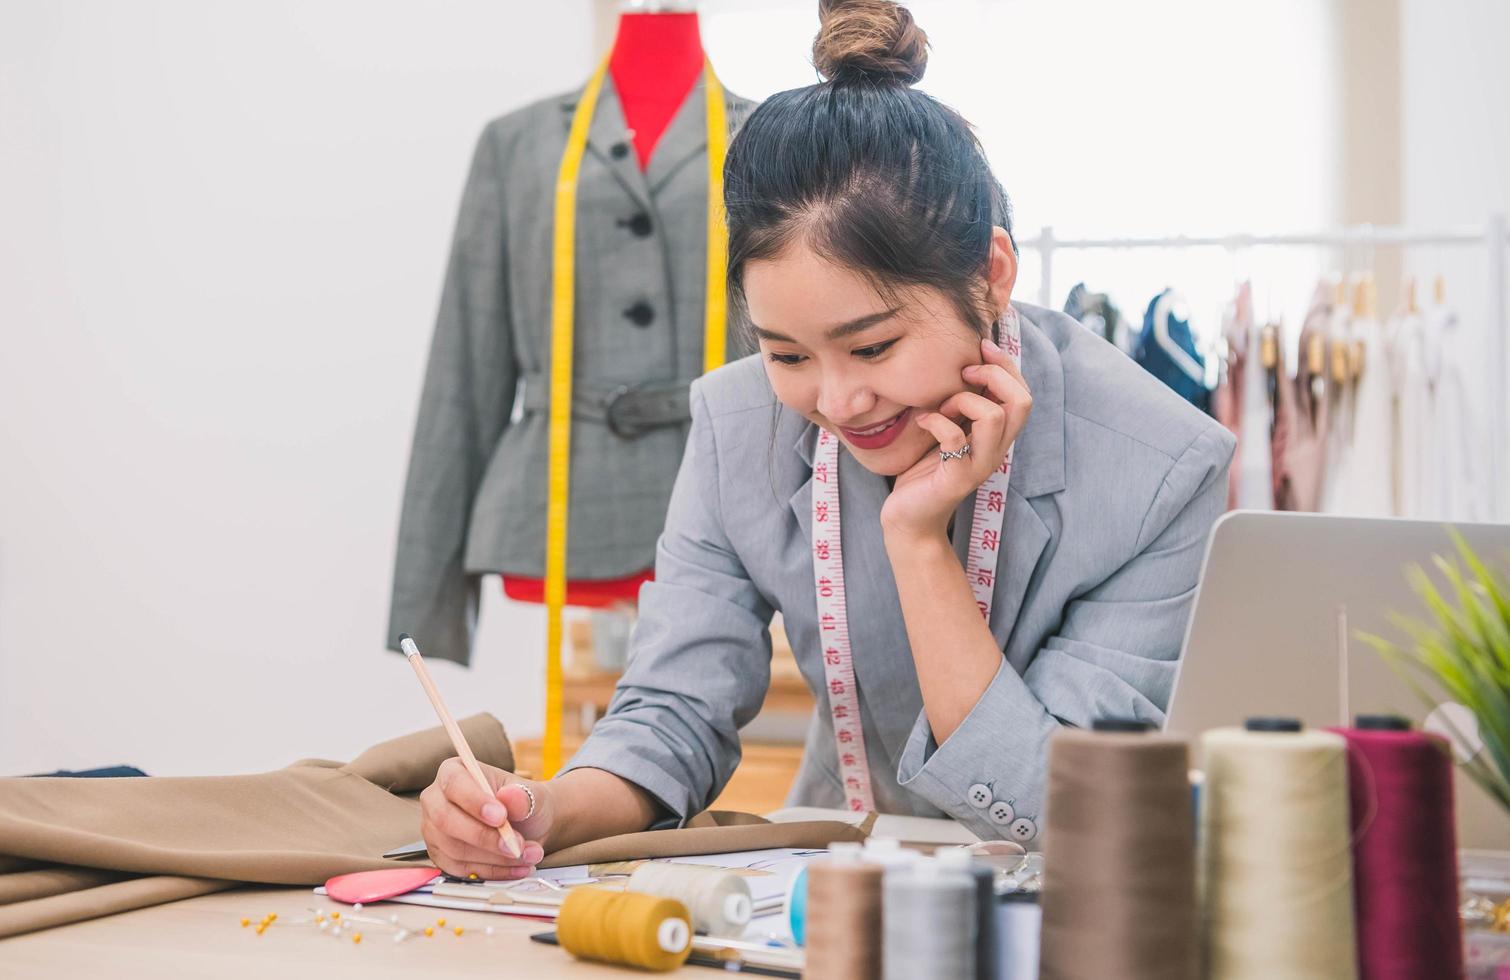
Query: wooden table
x=202, y=937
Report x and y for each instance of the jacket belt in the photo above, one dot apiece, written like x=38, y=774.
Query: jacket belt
x=627, y=409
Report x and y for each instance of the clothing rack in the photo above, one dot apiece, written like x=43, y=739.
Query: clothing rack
x=1493, y=237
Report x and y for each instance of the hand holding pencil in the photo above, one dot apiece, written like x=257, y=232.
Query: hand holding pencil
x=512, y=843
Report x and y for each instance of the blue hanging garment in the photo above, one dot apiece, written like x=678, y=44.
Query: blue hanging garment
x=1187, y=376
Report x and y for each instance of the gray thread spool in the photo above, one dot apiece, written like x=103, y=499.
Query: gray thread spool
x=958, y=859
x=1018, y=921
x=928, y=923
x=718, y=899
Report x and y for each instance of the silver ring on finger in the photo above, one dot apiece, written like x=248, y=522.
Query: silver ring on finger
x=945, y=455
x=531, y=794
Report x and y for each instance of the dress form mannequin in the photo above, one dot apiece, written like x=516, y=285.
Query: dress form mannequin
x=656, y=59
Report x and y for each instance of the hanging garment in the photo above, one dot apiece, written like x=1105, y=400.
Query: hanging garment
x=1459, y=451
x=1414, y=413
x=1302, y=409
x=131, y=843
x=1099, y=315
x=1339, y=448
x=1241, y=403
x=1371, y=465
x=475, y=498
x=1166, y=348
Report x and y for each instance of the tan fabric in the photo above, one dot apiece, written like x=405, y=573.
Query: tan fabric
x=715, y=832
x=23, y=886
x=91, y=903
x=296, y=826
x=119, y=844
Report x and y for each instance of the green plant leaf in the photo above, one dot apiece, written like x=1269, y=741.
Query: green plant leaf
x=1463, y=649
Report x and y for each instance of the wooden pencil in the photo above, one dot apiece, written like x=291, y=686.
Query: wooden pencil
x=512, y=842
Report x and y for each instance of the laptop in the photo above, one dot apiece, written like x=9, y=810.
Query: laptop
x=1271, y=633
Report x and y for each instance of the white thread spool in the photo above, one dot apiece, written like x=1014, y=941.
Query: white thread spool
x=1276, y=854
x=889, y=853
x=718, y=899
x=928, y=923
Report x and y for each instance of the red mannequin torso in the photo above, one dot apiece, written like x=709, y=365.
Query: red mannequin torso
x=656, y=59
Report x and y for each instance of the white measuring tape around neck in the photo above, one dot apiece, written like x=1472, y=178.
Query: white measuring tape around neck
x=828, y=583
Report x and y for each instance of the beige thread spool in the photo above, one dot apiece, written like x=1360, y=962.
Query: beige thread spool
x=1119, y=856
x=1276, y=854
x=718, y=900
x=843, y=930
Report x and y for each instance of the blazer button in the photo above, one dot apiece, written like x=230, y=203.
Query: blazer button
x=619, y=151
x=640, y=314
x=639, y=225
x=1001, y=813
x=1023, y=829
x=980, y=796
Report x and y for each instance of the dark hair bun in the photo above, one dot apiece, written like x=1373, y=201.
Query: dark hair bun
x=869, y=39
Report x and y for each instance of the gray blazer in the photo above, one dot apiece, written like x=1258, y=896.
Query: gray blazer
x=1116, y=484
x=476, y=491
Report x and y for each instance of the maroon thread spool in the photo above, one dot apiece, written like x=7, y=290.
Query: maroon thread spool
x=1405, y=860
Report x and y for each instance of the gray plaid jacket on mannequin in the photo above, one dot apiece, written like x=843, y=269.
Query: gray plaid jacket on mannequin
x=475, y=499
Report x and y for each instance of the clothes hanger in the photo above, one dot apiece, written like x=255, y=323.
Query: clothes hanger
x=658, y=6
x=1172, y=303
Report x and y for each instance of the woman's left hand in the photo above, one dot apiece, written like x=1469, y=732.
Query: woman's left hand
x=924, y=498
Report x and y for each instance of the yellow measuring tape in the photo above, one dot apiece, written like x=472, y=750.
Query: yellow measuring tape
x=562, y=323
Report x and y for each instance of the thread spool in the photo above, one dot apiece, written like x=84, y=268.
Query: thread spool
x=796, y=907
x=796, y=889
x=1404, y=851
x=1276, y=854
x=928, y=923
x=717, y=899
x=889, y=853
x=1019, y=924
x=958, y=859
x=626, y=928
x=844, y=892
x=1119, y=856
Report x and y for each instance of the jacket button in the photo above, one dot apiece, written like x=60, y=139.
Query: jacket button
x=640, y=314
x=1001, y=813
x=980, y=796
x=1023, y=829
x=639, y=225
x=619, y=150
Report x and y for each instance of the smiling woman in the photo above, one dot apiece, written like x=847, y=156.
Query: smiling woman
x=1024, y=509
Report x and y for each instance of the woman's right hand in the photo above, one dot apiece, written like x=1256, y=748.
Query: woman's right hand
x=460, y=822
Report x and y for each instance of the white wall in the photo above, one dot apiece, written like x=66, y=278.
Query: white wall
x=222, y=232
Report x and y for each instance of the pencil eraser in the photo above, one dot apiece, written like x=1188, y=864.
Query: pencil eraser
x=404, y=636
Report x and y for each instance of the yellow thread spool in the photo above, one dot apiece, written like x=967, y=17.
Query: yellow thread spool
x=626, y=928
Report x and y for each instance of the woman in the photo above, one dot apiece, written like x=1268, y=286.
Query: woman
x=870, y=251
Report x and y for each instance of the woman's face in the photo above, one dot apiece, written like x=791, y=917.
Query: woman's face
x=860, y=366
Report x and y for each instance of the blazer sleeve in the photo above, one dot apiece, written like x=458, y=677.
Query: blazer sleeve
x=700, y=654
x=1115, y=654
x=464, y=408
